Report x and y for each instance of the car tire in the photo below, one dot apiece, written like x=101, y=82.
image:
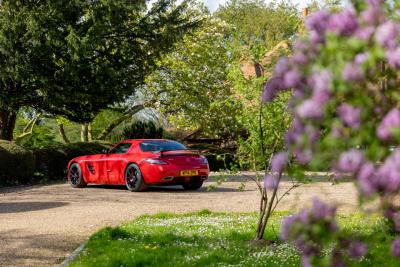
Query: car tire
x=75, y=176
x=134, y=179
x=193, y=185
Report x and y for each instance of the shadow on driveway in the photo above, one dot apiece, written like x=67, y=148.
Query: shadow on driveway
x=168, y=189
x=13, y=207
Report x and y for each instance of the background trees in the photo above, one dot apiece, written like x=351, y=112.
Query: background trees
x=191, y=86
x=100, y=64
x=259, y=35
x=75, y=58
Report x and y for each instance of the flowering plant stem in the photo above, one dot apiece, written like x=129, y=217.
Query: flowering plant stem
x=268, y=205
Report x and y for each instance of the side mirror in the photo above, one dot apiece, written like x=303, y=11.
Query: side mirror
x=105, y=151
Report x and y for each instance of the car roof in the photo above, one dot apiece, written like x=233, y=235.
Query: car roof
x=143, y=140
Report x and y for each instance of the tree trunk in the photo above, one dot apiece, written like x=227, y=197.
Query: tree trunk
x=90, y=133
x=7, y=124
x=61, y=130
x=84, y=132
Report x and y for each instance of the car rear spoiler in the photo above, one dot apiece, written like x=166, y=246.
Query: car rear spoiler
x=180, y=152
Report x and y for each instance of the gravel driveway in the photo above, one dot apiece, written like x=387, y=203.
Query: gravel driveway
x=41, y=225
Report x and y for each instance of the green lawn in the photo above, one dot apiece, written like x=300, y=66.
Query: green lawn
x=211, y=239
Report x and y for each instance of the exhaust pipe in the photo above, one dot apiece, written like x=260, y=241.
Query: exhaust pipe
x=168, y=178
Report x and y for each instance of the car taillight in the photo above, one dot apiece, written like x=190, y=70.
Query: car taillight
x=156, y=161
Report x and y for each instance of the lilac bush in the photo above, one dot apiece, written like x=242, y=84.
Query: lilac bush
x=344, y=76
x=310, y=230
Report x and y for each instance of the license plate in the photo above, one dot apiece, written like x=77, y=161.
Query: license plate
x=190, y=173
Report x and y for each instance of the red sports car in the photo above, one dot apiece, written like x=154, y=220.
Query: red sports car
x=140, y=163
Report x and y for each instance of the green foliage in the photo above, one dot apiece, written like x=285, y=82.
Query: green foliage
x=16, y=164
x=212, y=239
x=191, y=83
x=267, y=127
x=51, y=161
x=142, y=129
x=257, y=26
x=259, y=35
x=103, y=119
x=41, y=136
x=75, y=58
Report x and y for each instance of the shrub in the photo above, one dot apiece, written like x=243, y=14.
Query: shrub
x=17, y=164
x=51, y=162
x=141, y=129
x=345, y=78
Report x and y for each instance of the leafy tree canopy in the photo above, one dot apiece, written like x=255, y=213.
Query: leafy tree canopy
x=74, y=58
x=191, y=83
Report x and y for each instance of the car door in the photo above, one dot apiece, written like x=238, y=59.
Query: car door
x=115, y=163
x=95, y=169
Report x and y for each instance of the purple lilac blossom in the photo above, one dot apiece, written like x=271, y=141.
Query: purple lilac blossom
x=291, y=79
x=321, y=96
x=303, y=156
x=320, y=210
x=312, y=133
x=337, y=262
x=337, y=131
x=396, y=247
x=282, y=66
x=357, y=249
x=344, y=23
x=321, y=82
x=350, y=161
x=318, y=21
x=310, y=109
x=270, y=181
x=302, y=217
x=386, y=34
x=271, y=88
x=305, y=261
x=307, y=249
x=361, y=58
x=375, y=2
x=389, y=173
x=295, y=132
x=350, y=115
x=393, y=57
x=316, y=38
x=366, y=179
x=364, y=33
x=301, y=45
x=298, y=94
x=287, y=223
x=389, y=122
x=373, y=14
x=278, y=162
x=300, y=58
x=352, y=72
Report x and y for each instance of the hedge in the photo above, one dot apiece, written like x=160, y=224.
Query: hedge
x=17, y=164
x=51, y=162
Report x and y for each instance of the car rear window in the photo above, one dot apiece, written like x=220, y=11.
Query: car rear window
x=154, y=146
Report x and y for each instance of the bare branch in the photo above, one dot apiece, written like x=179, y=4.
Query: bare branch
x=28, y=129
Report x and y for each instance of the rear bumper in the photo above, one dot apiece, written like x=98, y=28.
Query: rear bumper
x=182, y=180
x=171, y=174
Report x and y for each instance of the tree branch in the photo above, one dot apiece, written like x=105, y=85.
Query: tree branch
x=28, y=129
x=129, y=113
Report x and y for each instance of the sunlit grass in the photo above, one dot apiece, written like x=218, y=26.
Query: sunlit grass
x=209, y=239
